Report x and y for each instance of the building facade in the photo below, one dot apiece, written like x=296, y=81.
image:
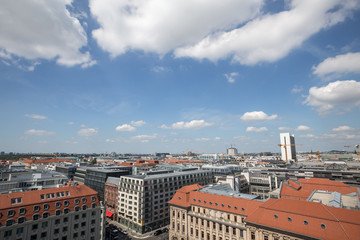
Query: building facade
x=111, y=197
x=288, y=150
x=143, y=199
x=64, y=213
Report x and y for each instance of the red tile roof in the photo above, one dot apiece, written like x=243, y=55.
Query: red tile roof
x=46, y=160
x=181, y=197
x=302, y=189
x=339, y=223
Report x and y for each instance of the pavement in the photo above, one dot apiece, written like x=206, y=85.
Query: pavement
x=138, y=236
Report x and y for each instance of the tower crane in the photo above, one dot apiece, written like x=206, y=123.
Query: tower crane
x=356, y=146
x=286, y=145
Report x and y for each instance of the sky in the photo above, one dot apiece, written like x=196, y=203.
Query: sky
x=146, y=76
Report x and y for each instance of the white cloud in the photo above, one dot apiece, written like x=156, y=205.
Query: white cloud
x=297, y=89
x=308, y=136
x=254, y=129
x=125, y=128
x=303, y=128
x=271, y=37
x=144, y=138
x=343, y=129
x=38, y=132
x=71, y=123
x=342, y=94
x=158, y=69
x=87, y=132
x=138, y=123
x=345, y=63
x=230, y=77
x=43, y=142
x=203, y=139
x=35, y=116
x=160, y=25
x=110, y=140
x=257, y=116
x=217, y=138
x=42, y=30
x=284, y=129
x=194, y=124
x=83, y=125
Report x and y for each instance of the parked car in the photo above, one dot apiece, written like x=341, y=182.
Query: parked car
x=158, y=232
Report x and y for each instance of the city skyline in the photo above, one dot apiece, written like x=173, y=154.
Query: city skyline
x=155, y=76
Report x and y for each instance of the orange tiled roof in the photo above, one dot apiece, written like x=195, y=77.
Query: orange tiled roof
x=181, y=197
x=339, y=223
x=302, y=189
x=53, y=160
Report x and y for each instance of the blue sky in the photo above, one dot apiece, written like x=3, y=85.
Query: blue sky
x=172, y=76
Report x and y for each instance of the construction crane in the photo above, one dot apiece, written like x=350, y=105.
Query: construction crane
x=356, y=149
x=318, y=155
x=286, y=145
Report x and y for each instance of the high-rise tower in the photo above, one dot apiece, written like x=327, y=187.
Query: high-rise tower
x=287, y=141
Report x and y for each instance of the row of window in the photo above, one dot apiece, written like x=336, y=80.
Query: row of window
x=217, y=204
x=52, y=195
x=322, y=225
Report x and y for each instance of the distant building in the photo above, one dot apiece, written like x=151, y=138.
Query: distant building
x=232, y=151
x=288, y=152
x=223, y=169
x=70, y=212
x=111, y=196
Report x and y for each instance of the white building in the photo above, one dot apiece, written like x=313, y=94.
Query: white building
x=288, y=151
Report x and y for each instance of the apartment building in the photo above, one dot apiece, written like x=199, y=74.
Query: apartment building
x=143, y=199
x=63, y=213
x=111, y=196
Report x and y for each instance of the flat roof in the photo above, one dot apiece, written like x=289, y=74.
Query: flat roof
x=165, y=175
x=226, y=190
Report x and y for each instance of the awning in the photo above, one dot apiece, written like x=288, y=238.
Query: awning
x=109, y=214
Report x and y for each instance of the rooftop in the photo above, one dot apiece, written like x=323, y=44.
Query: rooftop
x=225, y=190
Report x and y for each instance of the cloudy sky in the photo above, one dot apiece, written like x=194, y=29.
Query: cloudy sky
x=145, y=76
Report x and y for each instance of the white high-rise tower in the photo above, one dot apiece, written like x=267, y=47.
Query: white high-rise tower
x=285, y=140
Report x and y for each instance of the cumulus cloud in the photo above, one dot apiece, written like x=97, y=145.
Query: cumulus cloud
x=303, y=128
x=271, y=36
x=138, y=123
x=296, y=89
x=254, y=129
x=284, y=129
x=42, y=30
x=87, y=132
x=345, y=63
x=194, y=124
x=160, y=25
x=125, y=128
x=230, y=77
x=158, y=69
x=144, y=138
x=341, y=94
x=257, y=116
x=71, y=123
x=343, y=129
x=35, y=116
x=38, y=132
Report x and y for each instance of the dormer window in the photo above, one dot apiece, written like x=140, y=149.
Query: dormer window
x=11, y=213
x=46, y=206
x=76, y=201
x=306, y=222
x=36, y=208
x=22, y=211
x=289, y=219
x=323, y=226
x=83, y=200
x=276, y=216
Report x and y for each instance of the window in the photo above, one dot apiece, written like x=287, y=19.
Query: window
x=35, y=227
x=289, y=219
x=19, y=230
x=76, y=201
x=8, y=233
x=276, y=216
x=306, y=222
x=66, y=210
x=76, y=217
x=242, y=209
x=22, y=211
x=83, y=224
x=84, y=207
x=44, y=224
x=21, y=219
x=93, y=205
x=36, y=208
x=66, y=203
x=66, y=219
x=33, y=237
x=10, y=222
x=266, y=237
x=323, y=226
x=58, y=204
x=76, y=226
x=82, y=233
x=43, y=235
x=57, y=212
x=36, y=217
x=75, y=235
x=46, y=206
x=11, y=213
x=77, y=208
x=83, y=200
x=92, y=230
x=93, y=221
x=46, y=214
x=252, y=236
x=56, y=231
x=93, y=198
x=65, y=229
x=57, y=221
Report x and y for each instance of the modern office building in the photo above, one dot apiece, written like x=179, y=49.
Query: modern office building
x=288, y=150
x=223, y=169
x=95, y=177
x=68, y=170
x=143, y=200
x=63, y=213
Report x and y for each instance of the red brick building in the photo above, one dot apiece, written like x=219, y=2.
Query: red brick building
x=111, y=194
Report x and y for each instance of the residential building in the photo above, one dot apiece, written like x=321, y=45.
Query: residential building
x=288, y=150
x=64, y=213
x=143, y=200
x=111, y=195
x=223, y=169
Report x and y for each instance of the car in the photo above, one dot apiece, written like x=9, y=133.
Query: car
x=158, y=232
x=165, y=230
